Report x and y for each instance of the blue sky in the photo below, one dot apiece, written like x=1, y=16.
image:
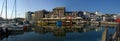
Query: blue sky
x=104, y=6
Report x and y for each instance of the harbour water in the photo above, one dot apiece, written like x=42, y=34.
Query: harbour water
x=86, y=33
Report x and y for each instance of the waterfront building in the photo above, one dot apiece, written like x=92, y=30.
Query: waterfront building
x=114, y=16
x=97, y=16
x=110, y=17
x=56, y=13
x=59, y=11
x=91, y=16
x=72, y=14
x=50, y=15
x=40, y=14
x=33, y=17
x=28, y=16
x=87, y=16
x=80, y=14
x=103, y=18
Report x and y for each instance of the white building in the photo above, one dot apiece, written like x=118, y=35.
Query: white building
x=28, y=15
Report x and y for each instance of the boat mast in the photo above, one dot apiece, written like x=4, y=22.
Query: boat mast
x=6, y=11
x=15, y=9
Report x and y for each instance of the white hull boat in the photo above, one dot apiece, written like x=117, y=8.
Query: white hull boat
x=15, y=27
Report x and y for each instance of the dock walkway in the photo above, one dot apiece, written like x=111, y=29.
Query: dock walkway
x=104, y=35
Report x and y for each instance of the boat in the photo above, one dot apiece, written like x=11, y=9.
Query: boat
x=27, y=24
x=15, y=25
x=5, y=25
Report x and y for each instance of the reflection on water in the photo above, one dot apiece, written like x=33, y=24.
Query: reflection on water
x=49, y=33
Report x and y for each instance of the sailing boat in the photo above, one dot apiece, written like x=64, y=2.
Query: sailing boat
x=4, y=26
x=16, y=25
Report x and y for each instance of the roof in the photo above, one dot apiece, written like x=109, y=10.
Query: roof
x=59, y=8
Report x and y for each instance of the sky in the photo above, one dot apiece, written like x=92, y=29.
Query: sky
x=103, y=6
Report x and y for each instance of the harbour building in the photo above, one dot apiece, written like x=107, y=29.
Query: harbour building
x=60, y=13
x=28, y=15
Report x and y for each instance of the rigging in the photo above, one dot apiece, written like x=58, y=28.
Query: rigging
x=2, y=8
